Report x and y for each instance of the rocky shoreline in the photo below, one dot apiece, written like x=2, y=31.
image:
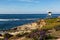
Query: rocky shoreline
x=51, y=25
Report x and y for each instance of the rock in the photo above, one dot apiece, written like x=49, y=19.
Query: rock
x=41, y=23
x=58, y=20
x=58, y=17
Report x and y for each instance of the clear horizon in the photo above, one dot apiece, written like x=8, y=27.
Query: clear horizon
x=29, y=6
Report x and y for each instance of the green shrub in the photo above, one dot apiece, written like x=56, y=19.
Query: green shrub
x=1, y=39
x=7, y=35
x=21, y=35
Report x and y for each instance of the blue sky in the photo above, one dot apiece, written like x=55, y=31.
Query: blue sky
x=29, y=6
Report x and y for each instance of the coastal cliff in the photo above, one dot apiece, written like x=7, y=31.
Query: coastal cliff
x=33, y=25
x=28, y=27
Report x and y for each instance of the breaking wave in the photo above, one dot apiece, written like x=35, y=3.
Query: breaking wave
x=17, y=19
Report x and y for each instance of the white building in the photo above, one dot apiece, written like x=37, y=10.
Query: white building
x=49, y=15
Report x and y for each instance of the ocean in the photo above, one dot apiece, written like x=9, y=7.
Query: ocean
x=8, y=21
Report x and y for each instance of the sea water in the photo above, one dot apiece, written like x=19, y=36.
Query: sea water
x=8, y=21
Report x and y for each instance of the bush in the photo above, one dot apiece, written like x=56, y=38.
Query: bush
x=7, y=35
x=21, y=35
x=1, y=39
x=50, y=37
x=37, y=34
x=57, y=27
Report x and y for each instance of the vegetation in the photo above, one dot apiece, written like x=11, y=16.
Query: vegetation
x=7, y=36
x=21, y=35
x=1, y=39
x=50, y=31
x=51, y=23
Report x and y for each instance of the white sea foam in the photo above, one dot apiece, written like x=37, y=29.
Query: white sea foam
x=17, y=19
x=9, y=19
